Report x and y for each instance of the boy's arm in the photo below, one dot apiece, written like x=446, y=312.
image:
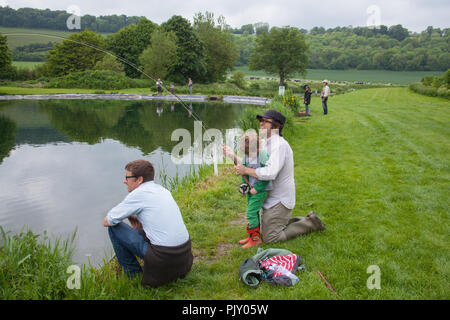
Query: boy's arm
x=229, y=153
x=262, y=184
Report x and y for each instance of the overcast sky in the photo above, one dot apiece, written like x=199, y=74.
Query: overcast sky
x=415, y=15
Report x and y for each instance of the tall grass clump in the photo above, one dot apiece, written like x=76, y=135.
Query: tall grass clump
x=33, y=268
x=248, y=119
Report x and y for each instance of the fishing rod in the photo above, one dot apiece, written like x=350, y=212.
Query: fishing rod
x=131, y=64
x=136, y=67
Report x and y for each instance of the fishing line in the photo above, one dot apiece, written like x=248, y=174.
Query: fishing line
x=131, y=64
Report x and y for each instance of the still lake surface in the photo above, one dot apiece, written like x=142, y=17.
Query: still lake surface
x=62, y=161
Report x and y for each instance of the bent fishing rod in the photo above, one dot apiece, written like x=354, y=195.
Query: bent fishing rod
x=131, y=64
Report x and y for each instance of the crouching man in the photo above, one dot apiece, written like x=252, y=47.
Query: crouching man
x=158, y=234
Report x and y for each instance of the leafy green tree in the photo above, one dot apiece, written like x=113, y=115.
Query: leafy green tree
x=446, y=78
x=398, y=32
x=130, y=41
x=261, y=27
x=109, y=62
x=190, y=62
x=444, y=60
x=161, y=55
x=6, y=69
x=239, y=79
x=282, y=51
x=249, y=28
x=220, y=51
x=75, y=54
x=245, y=44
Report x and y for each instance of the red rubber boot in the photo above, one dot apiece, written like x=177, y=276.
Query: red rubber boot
x=255, y=238
x=244, y=241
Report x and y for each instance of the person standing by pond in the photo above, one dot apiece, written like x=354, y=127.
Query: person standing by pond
x=159, y=86
x=324, y=95
x=307, y=99
x=276, y=221
x=157, y=234
x=190, y=83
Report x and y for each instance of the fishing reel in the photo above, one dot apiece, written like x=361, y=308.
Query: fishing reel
x=244, y=188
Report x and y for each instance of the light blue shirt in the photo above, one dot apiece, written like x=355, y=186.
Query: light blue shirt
x=157, y=211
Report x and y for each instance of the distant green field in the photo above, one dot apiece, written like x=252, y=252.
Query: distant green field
x=20, y=37
x=27, y=64
x=374, y=76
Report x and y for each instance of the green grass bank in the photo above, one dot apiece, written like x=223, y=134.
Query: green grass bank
x=375, y=170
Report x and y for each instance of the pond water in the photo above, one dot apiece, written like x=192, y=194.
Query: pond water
x=62, y=161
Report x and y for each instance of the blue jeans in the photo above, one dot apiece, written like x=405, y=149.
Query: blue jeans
x=128, y=244
x=307, y=109
x=325, y=106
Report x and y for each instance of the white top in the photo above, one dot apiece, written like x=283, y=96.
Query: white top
x=325, y=91
x=280, y=169
x=156, y=210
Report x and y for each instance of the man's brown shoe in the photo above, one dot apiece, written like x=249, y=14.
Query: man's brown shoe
x=313, y=216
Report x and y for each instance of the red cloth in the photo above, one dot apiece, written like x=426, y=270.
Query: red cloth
x=287, y=262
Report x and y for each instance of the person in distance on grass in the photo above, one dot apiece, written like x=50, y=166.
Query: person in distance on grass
x=276, y=221
x=307, y=99
x=190, y=83
x=324, y=95
x=253, y=158
x=157, y=234
x=159, y=86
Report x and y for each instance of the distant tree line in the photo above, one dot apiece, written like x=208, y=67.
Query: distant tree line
x=394, y=48
x=208, y=48
x=57, y=20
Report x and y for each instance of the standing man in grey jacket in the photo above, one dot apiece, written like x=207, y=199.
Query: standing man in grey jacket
x=276, y=221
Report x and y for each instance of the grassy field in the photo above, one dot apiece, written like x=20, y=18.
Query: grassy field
x=27, y=64
x=374, y=76
x=375, y=170
x=18, y=37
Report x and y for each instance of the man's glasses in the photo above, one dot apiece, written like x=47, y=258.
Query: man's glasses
x=126, y=177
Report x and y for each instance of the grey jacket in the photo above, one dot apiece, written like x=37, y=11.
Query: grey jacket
x=249, y=271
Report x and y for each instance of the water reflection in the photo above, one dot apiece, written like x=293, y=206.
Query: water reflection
x=8, y=131
x=62, y=162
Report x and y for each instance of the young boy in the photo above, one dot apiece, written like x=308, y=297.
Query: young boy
x=253, y=158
